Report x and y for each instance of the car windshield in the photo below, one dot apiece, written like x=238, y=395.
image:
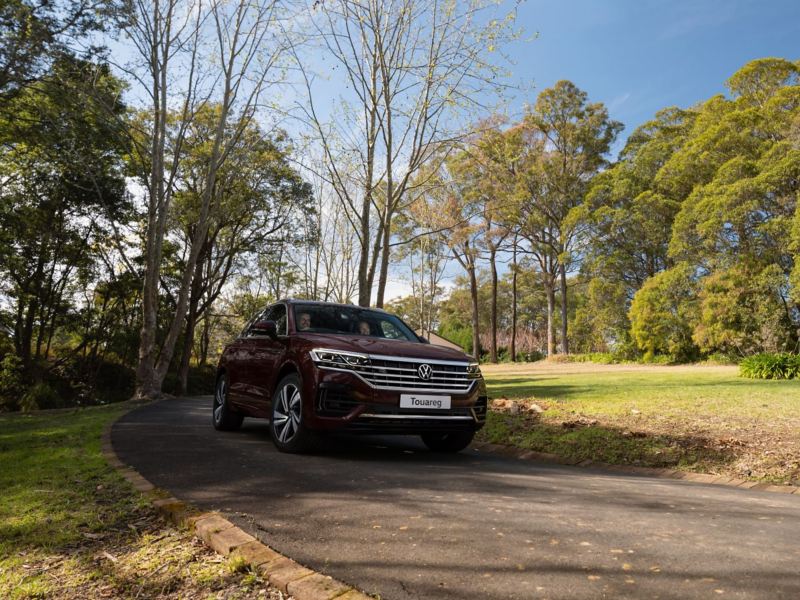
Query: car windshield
x=350, y=320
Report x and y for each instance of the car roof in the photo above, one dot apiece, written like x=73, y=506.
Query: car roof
x=321, y=303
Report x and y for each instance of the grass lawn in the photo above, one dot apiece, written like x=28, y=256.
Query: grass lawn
x=700, y=418
x=71, y=527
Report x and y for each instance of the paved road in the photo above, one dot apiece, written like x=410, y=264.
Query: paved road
x=393, y=519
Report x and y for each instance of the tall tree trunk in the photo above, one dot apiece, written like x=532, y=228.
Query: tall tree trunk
x=493, y=316
x=564, y=313
x=205, y=341
x=146, y=386
x=383, y=275
x=365, y=278
x=188, y=337
x=364, y=283
x=473, y=292
x=550, y=293
x=514, y=303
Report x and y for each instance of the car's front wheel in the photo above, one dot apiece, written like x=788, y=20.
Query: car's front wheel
x=288, y=429
x=455, y=441
x=223, y=416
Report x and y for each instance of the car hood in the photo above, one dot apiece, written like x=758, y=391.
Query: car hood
x=371, y=345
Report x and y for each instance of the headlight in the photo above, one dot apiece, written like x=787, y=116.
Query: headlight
x=473, y=371
x=338, y=358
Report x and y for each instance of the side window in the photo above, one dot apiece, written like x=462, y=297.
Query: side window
x=391, y=332
x=255, y=318
x=278, y=314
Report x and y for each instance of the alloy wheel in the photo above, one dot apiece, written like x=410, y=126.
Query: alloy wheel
x=287, y=413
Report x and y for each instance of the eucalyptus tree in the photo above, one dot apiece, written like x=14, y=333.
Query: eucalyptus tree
x=483, y=168
x=413, y=69
x=454, y=218
x=629, y=220
x=577, y=136
x=34, y=34
x=191, y=53
x=260, y=207
x=61, y=174
x=425, y=256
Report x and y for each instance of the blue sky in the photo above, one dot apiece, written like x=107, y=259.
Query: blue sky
x=638, y=56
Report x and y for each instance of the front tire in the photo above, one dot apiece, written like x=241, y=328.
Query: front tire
x=454, y=441
x=223, y=416
x=289, y=433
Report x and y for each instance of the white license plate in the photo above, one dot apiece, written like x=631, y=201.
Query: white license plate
x=423, y=401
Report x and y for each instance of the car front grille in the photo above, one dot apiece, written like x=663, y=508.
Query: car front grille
x=391, y=373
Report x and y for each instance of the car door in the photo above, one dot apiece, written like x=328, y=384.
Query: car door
x=239, y=366
x=266, y=355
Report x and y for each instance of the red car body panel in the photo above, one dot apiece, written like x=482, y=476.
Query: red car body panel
x=255, y=364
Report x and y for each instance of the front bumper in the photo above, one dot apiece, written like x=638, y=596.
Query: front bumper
x=343, y=401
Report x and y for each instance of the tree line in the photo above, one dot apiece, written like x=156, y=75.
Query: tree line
x=152, y=196
x=684, y=247
x=167, y=167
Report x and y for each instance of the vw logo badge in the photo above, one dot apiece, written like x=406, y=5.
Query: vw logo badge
x=424, y=372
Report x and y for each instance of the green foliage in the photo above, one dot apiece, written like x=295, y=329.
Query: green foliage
x=12, y=385
x=743, y=312
x=600, y=358
x=712, y=191
x=60, y=163
x=771, y=366
x=40, y=396
x=663, y=313
x=461, y=335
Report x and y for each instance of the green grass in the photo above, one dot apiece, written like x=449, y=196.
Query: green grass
x=696, y=418
x=668, y=391
x=57, y=490
x=64, y=511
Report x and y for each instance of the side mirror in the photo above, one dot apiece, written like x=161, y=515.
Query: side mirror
x=265, y=328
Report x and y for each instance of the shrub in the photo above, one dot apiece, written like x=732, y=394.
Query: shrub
x=780, y=365
x=11, y=382
x=719, y=358
x=662, y=315
x=40, y=396
x=531, y=356
x=601, y=358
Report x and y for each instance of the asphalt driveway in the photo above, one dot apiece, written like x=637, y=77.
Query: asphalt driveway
x=389, y=517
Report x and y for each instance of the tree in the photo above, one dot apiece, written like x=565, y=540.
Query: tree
x=663, y=314
x=34, y=34
x=576, y=137
x=425, y=254
x=629, y=226
x=413, y=68
x=260, y=206
x=170, y=35
x=453, y=217
x=60, y=165
x=744, y=310
x=487, y=189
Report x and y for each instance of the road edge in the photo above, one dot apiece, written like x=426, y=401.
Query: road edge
x=226, y=539
x=708, y=478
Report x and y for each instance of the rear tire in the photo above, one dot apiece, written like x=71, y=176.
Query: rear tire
x=223, y=416
x=454, y=441
x=287, y=426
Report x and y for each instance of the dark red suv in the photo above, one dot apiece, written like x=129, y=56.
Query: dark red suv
x=314, y=367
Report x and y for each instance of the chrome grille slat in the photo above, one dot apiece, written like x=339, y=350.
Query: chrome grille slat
x=400, y=374
x=412, y=377
x=392, y=373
